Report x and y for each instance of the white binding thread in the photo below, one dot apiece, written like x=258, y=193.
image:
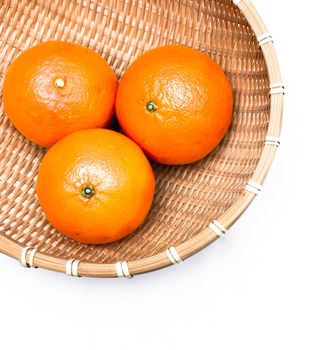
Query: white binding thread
x=72, y=267
x=173, y=255
x=277, y=89
x=253, y=187
x=68, y=268
x=264, y=39
x=75, y=268
x=122, y=269
x=24, y=262
x=237, y=2
x=217, y=228
x=272, y=141
x=23, y=256
x=32, y=257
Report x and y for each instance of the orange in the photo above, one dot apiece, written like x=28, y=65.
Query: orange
x=95, y=186
x=175, y=103
x=56, y=88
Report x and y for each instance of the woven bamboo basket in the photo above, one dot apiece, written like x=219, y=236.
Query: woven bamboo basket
x=195, y=204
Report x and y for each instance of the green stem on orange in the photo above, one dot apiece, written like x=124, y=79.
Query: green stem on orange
x=151, y=106
x=87, y=191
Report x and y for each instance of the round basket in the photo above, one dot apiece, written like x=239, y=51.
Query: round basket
x=195, y=204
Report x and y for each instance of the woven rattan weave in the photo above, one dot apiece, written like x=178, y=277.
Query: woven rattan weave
x=195, y=204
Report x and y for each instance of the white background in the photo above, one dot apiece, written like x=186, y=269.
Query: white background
x=251, y=290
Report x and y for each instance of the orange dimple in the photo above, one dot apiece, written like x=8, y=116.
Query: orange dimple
x=192, y=99
x=95, y=186
x=56, y=88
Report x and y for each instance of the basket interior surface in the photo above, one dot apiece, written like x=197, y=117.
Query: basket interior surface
x=187, y=198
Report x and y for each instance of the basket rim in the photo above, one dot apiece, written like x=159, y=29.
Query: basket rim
x=173, y=255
